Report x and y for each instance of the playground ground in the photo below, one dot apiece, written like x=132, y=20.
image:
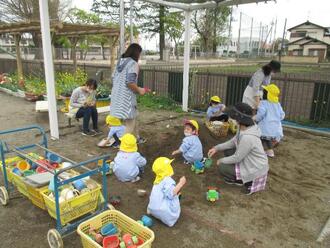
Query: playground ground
x=290, y=213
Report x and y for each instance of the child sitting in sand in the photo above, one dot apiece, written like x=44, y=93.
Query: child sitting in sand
x=164, y=202
x=245, y=162
x=116, y=131
x=191, y=147
x=269, y=117
x=128, y=163
x=216, y=109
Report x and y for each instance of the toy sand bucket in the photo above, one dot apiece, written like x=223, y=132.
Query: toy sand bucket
x=53, y=158
x=208, y=163
x=23, y=165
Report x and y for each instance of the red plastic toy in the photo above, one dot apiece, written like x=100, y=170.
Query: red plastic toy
x=129, y=241
x=111, y=241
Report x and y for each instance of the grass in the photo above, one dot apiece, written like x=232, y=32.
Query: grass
x=154, y=102
x=253, y=68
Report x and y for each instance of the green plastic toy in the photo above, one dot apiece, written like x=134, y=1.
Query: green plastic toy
x=212, y=194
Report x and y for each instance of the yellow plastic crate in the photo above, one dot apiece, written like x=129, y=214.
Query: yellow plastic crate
x=103, y=102
x=19, y=183
x=35, y=195
x=74, y=208
x=123, y=222
x=9, y=166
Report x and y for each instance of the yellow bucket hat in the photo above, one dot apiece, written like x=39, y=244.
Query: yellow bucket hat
x=162, y=168
x=273, y=92
x=128, y=143
x=113, y=121
x=216, y=99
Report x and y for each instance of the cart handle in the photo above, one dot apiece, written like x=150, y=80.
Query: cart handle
x=23, y=129
x=81, y=164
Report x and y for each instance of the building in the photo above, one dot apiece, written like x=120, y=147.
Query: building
x=309, y=39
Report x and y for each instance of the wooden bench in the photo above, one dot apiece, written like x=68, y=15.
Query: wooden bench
x=100, y=110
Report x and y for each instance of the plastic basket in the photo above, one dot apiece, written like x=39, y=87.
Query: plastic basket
x=35, y=195
x=102, y=102
x=10, y=162
x=233, y=126
x=218, y=130
x=74, y=208
x=123, y=222
x=21, y=186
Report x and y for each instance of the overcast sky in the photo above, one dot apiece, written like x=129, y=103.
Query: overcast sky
x=296, y=12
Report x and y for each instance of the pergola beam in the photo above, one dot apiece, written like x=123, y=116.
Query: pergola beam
x=204, y=5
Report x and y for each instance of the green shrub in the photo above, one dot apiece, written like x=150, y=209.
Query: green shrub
x=155, y=102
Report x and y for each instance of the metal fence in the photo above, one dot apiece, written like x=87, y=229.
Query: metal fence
x=304, y=97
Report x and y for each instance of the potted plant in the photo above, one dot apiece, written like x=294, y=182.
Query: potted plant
x=102, y=95
x=34, y=89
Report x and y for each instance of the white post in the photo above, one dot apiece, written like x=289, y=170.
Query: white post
x=49, y=68
x=250, y=42
x=185, y=90
x=239, y=36
x=122, y=27
x=131, y=21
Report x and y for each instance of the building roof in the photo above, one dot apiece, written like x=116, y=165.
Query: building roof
x=308, y=23
x=59, y=28
x=308, y=40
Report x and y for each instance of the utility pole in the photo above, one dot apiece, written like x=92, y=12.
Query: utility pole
x=274, y=41
x=122, y=27
x=259, y=41
x=282, y=42
x=250, y=42
x=229, y=34
x=131, y=20
x=239, y=36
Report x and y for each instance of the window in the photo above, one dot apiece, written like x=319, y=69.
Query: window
x=298, y=34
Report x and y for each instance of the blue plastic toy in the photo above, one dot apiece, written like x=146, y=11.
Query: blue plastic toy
x=109, y=229
x=146, y=221
x=53, y=158
x=198, y=167
x=79, y=184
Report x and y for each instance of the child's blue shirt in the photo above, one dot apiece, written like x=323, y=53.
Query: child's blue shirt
x=163, y=204
x=269, y=117
x=118, y=130
x=213, y=110
x=127, y=164
x=192, y=149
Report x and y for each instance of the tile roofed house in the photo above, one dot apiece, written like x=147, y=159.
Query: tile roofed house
x=309, y=39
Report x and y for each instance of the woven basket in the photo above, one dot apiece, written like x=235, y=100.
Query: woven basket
x=218, y=130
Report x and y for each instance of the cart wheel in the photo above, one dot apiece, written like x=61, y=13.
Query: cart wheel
x=111, y=207
x=54, y=239
x=4, y=198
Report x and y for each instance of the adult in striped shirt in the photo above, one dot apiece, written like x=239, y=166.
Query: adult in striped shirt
x=125, y=89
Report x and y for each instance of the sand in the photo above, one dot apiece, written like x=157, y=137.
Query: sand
x=289, y=213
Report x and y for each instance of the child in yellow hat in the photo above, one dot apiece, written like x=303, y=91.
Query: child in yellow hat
x=116, y=131
x=128, y=163
x=191, y=147
x=164, y=202
x=269, y=117
x=215, y=111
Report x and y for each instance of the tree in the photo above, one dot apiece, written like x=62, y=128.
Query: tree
x=28, y=10
x=210, y=25
x=148, y=17
x=174, y=28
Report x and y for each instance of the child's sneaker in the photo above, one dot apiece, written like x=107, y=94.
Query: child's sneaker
x=203, y=160
x=186, y=162
x=136, y=179
x=270, y=153
x=233, y=182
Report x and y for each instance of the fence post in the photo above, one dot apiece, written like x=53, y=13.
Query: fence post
x=153, y=79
